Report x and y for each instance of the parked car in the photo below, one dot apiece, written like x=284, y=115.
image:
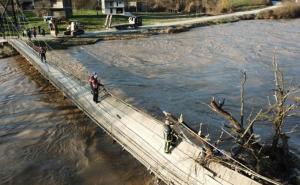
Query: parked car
x=47, y=18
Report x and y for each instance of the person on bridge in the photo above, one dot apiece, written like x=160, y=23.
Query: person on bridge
x=95, y=84
x=168, y=136
x=91, y=79
x=43, y=51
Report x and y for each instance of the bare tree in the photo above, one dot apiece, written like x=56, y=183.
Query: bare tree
x=270, y=156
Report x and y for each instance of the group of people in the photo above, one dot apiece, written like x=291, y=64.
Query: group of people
x=33, y=32
x=95, y=85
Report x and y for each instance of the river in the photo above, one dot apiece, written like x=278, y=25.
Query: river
x=180, y=73
x=44, y=139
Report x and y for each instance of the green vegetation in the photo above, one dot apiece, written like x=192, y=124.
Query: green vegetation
x=93, y=22
x=35, y=21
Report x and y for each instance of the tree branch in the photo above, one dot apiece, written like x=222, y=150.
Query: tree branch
x=217, y=108
x=243, y=81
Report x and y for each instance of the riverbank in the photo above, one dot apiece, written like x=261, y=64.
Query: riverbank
x=170, y=27
x=6, y=50
x=183, y=25
x=286, y=11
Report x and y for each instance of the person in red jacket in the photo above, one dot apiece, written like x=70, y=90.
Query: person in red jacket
x=95, y=84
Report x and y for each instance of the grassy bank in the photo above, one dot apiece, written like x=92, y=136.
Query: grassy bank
x=94, y=22
x=227, y=6
x=287, y=11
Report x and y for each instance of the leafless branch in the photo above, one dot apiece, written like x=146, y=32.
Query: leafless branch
x=250, y=125
x=243, y=81
x=293, y=130
x=217, y=108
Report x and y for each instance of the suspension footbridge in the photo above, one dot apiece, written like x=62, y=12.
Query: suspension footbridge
x=137, y=132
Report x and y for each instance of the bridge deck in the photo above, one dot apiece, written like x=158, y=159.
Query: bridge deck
x=140, y=134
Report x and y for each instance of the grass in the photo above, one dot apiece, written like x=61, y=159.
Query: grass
x=35, y=21
x=94, y=22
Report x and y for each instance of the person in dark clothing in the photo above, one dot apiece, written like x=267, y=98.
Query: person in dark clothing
x=95, y=85
x=39, y=30
x=169, y=136
x=34, y=32
x=91, y=79
x=43, y=32
x=29, y=34
x=43, y=51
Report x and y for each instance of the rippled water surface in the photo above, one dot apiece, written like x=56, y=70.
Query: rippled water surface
x=44, y=139
x=181, y=72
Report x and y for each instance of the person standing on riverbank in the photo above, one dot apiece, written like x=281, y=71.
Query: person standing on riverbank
x=34, y=32
x=39, y=30
x=29, y=34
x=43, y=32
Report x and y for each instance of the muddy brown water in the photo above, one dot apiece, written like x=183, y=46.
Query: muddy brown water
x=44, y=139
x=180, y=73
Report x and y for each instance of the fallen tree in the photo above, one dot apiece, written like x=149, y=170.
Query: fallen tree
x=270, y=159
x=248, y=153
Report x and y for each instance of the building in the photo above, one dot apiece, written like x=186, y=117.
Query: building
x=60, y=8
x=113, y=7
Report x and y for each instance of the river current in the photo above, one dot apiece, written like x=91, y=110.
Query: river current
x=44, y=139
